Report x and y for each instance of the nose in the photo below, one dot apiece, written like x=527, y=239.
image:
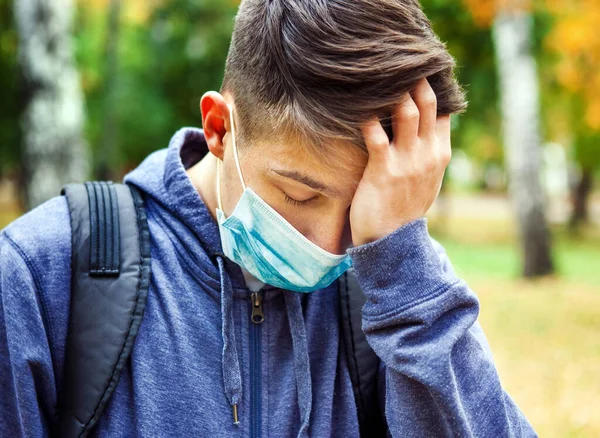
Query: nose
x=332, y=232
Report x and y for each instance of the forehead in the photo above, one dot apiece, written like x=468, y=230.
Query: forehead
x=337, y=164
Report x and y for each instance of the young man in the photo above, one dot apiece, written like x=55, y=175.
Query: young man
x=292, y=180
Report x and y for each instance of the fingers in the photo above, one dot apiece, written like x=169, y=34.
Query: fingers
x=415, y=115
x=405, y=122
x=426, y=100
x=376, y=139
x=414, y=122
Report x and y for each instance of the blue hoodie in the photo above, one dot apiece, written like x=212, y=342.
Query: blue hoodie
x=197, y=351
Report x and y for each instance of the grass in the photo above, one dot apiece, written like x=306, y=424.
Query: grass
x=544, y=336
x=544, y=333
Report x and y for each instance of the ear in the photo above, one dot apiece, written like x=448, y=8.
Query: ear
x=215, y=121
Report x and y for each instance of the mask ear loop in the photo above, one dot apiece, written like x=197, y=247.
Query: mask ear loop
x=235, y=156
x=235, y=150
x=219, y=183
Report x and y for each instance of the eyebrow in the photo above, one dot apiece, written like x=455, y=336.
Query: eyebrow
x=308, y=181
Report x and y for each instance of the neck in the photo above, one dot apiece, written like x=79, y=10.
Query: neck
x=203, y=177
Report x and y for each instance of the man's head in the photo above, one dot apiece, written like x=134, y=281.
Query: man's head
x=303, y=77
x=317, y=69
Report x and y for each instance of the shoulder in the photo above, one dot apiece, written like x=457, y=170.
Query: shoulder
x=42, y=237
x=40, y=242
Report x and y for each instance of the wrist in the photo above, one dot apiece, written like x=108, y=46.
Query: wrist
x=384, y=230
x=399, y=269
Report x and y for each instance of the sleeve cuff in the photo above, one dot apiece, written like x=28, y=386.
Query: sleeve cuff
x=399, y=270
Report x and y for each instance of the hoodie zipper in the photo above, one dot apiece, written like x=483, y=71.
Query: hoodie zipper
x=257, y=319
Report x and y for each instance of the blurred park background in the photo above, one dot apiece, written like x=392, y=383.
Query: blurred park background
x=89, y=88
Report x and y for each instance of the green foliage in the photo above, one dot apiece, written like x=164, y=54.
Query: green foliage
x=586, y=150
x=472, y=48
x=10, y=104
x=167, y=60
x=164, y=67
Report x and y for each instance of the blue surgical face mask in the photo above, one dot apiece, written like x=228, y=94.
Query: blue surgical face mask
x=260, y=240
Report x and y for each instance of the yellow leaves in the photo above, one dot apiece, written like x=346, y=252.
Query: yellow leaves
x=576, y=29
x=138, y=11
x=484, y=11
x=560, y=126
x=576, y=41
x=591, y=95
x=592, y=115
x=569, y=75
x=571, y=35
x=133, y=11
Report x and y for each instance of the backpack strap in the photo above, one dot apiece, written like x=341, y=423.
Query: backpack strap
x=109, y=285
x=363, y=363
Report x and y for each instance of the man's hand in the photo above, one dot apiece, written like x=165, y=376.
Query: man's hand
x=402, y=178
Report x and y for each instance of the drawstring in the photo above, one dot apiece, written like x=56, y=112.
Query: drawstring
x=232, y=376
x=231, y=366
x=301, y=362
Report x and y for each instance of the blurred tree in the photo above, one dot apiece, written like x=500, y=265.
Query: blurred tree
x=10, y=104
x=475, y=131
x=521, y=119
x=587, y=155
x=108, y=143
x=478, y=130
x=53, y=150
x=519, y=84
x=575, y=80
x=169, y=53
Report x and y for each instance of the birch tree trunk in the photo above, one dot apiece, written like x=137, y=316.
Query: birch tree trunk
x=53, y=150
x=520, y=113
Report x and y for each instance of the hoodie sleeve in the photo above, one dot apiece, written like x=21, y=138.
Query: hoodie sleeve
x=26, y=374
x=421, y=320
x=35, y=253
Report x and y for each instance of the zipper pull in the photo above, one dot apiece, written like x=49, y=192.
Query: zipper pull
x=257, y=311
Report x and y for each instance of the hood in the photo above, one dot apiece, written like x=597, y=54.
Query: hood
x=162, y=178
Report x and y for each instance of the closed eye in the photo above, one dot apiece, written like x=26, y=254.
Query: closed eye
x=297, y=203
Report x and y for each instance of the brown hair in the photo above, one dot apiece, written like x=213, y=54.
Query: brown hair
x=318, y=69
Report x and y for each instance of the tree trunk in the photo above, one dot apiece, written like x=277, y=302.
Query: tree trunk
x=581, y=193
x=520, y=113
x=53, y=150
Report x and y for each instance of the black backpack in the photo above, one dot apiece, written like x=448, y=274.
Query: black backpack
x=111, y=275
